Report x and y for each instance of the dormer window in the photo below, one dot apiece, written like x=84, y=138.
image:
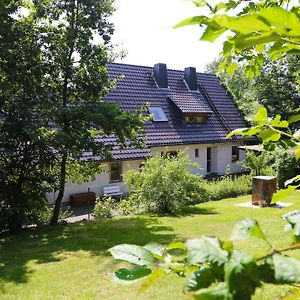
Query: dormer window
x=195, y=118
x=158, y=114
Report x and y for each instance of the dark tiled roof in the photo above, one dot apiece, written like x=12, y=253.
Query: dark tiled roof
x=191, y=102
x=136, y=87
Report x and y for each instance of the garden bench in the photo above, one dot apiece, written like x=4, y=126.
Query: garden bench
x=112, y=190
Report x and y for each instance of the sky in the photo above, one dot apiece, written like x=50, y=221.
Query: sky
x=143, y=28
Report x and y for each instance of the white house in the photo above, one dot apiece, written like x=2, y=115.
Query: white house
x=191, y=111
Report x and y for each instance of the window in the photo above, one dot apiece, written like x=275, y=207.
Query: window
x=234, y=154
x=171, y=154
x=115, y=171
x=195, y=118
x=208, y=164
x=196, y=152
x=158, y=114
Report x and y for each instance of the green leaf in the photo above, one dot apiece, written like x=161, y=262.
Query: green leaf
x=244, y=131
x=278, y=123
x=231, y=68
x=287, y=269
x=261, y=116
x=132, y=253
x=156, y=249
x=293, y=217
x=294, y=119
x=205, y=249
x=211, y=33
x=192, y=21
x=282, y=21
x=199, y=280
x=246, y=228
x=218, y=292
x=176, y=245
x=243, y=24
x=292, y=295
x=269, y=135
x=282, y=194
x=150, y=280
x=292, y=180
x=132, y=274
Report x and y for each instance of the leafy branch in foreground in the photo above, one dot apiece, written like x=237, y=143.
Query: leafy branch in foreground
x=256, y=29
x=274, y=132
x=214, y=269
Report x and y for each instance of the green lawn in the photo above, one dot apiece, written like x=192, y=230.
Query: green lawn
x=72, y=262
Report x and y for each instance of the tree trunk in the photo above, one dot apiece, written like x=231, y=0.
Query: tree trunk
x=60, y=195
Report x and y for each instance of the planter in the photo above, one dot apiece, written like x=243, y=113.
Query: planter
x=263, y=188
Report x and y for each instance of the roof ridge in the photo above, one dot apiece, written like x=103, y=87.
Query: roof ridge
x=151, y=67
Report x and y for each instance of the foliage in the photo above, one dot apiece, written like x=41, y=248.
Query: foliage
x=53, y=78
x=259, y=163
x=276, y=87
x=129, y=206
x=275, y=133
x=165, y=184
x=241, y=87
x=26, y=160
x=256, y=29
x=227, y=187
x=104, y=208
x=286, y=166
x=215, y=269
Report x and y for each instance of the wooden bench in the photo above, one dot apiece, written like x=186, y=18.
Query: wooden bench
x=112, y=191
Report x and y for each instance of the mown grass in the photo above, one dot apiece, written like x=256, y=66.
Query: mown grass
x=72, y=262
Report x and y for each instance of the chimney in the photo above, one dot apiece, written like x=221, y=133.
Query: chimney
x=160, y=75
x=190, y=78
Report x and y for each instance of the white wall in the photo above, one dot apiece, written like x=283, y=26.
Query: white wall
x=96, y=185
x=221, y=158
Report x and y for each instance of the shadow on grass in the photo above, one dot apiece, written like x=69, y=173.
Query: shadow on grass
x=195, y=210
x=48, y=244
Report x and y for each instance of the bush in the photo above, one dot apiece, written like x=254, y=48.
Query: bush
x=227, y=187
x=165, y=184
x=34, y=211
x=129, y=206
x=104, y=208
x=286, y=166
x=260, y=164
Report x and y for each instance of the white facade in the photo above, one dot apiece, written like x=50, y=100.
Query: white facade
x=221, y=163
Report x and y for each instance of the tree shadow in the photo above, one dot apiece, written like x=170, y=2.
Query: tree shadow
x=49, y=244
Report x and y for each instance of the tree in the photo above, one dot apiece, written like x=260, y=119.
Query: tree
x=276, y=87
x=63, y=55
x=26, y=159
x=240, y=87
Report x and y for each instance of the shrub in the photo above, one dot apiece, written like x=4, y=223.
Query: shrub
x=129, y=206
x=104, y=208
x=34, y=211
x=165, y=184
x=286, y=166
x=260, y=164
x=228, y=187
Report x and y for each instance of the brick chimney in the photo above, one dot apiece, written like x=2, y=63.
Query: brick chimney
x=190, y=77
x=160, y=75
